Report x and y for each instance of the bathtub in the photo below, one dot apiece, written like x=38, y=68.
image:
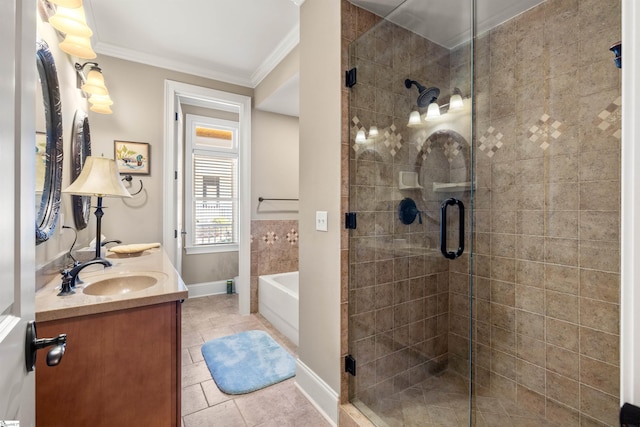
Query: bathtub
x=278, y=302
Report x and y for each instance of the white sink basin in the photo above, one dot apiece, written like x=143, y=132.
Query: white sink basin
x=123, y=283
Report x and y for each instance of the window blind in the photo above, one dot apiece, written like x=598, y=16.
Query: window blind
x=215, y=199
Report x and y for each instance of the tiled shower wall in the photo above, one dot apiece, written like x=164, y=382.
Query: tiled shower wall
x=547, y=146
x=399, y=283
x=548, y=212
x=274, y=249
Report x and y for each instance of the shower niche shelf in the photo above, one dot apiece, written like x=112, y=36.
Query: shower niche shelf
x=408, y=181
x=446, y=187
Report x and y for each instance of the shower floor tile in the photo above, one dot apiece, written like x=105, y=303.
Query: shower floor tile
x=442, y=400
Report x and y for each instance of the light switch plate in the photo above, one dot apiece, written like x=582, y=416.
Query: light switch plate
x=321, y=221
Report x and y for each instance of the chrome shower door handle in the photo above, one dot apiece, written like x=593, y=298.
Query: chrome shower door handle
x=443, y=228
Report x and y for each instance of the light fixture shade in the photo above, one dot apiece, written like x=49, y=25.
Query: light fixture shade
x=361, y=138
x=72, y=4
x=99, y=177
x=433, y=111
x=102, y=109
x=78, y=46
x=455, y=103
x=414, y=119
x=101, y=100
x=94, y=84
x=71, y=21
x=373, y=131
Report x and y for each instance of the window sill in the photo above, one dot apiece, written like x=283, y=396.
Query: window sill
x=210, y=249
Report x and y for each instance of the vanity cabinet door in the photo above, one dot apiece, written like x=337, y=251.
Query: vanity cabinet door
x=119, y=368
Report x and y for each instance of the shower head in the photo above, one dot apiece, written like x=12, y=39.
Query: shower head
x=426, y=95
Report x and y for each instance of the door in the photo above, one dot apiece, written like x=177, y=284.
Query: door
x=410, y=179
x=17, y=201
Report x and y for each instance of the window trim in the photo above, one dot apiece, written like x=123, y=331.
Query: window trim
x=190, y=149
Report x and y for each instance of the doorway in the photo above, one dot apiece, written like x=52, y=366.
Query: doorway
x=178, y=95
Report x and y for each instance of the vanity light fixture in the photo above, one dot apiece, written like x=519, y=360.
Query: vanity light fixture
x=433, y=111
x=99, y=178
x=101, y=104
x=77, y=46
x=414, y=119
x=71, y=4
x=94, y=82
x=71, y=21
x=455, y=102
x=93, y=85
x=102, y=109
x=361, y=138
x=373, y=131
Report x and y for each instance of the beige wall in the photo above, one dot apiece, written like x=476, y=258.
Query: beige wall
x=138, y=115
x=320, y=82
x=274, y=169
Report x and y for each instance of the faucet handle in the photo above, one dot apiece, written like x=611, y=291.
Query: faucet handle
x=66, y=284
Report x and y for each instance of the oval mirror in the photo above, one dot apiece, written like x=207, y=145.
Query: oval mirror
x=80, y=149
x=48, y=144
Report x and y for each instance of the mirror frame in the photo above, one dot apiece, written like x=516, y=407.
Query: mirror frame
x=80, y=149
x=47, y=215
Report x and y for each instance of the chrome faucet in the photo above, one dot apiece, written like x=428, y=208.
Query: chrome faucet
x=69, y=276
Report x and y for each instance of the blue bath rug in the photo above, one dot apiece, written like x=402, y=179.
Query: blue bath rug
x=247, y=362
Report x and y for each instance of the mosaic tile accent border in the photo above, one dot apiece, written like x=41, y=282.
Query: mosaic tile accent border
x=391, y=138
x=609, y=119
x=491, y=141
x=274, y=251
x=545, y=127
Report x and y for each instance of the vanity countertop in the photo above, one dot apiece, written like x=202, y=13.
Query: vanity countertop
x=169, y=287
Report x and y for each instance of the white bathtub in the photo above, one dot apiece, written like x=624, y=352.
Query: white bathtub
x=278, y=302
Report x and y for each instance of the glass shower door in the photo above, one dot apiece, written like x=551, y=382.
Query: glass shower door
x=411, y=188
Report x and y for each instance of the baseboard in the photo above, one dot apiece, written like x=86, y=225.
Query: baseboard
x=207, y=288
x=323, y=397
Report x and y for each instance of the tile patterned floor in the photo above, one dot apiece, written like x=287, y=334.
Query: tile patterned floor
x=203, y=404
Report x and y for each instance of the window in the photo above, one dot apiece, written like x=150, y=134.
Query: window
x=211, y=217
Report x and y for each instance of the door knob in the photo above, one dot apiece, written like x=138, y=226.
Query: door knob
x=33, y=344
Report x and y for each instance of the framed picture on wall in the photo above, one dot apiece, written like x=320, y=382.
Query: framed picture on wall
x=133, y=158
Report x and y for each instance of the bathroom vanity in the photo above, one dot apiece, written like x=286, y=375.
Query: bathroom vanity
x=122, y=360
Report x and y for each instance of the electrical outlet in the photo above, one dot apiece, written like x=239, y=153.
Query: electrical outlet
x=321, y=221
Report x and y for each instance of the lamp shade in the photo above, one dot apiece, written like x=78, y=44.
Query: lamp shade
x=94, y=84
x=101, y=100
x=101, y=108
x=67, y=3
x=433, y=111
x=455, y=103
x=414, y=119
x=361, y=138
x=99, y=177
x=78, y=46
x=71, y=21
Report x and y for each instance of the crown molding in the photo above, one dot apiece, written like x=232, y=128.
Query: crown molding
x=231, y=77
x=287, y=44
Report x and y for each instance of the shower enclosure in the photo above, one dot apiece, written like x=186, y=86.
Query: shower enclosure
x=484, y=174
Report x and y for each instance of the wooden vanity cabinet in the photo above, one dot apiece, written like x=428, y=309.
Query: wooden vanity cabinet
x=120, y=368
